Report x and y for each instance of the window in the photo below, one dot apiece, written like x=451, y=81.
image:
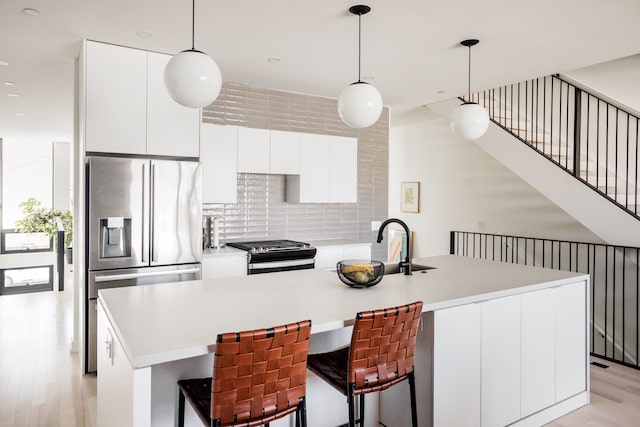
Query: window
x=26, y=279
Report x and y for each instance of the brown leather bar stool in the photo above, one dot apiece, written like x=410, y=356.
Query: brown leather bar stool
x=258, y=377
x=381, y=354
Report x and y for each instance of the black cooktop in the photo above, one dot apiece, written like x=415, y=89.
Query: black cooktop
x=270, y=245
x=275, y=250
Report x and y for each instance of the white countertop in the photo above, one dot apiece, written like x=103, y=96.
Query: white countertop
x=172, y=321
x=223, y=251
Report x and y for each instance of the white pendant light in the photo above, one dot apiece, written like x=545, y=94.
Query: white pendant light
x=192, y=78
x=470, y=120
x=360, y=104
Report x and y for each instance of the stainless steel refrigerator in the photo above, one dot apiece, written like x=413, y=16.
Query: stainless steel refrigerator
x=144, y=226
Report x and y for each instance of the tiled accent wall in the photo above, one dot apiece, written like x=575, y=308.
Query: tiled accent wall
x=261, y=210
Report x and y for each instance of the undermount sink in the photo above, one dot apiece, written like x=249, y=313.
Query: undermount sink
x=395, y=268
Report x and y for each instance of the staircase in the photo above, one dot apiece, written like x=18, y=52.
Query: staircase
x=587, y=136
x=586, y=149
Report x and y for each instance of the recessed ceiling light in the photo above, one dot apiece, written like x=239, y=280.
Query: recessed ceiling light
x=440, y=92
x=13, y=95
x=31, y=12
x=8, y=83
x=20, y=114
x=274, y=59
x=144, y=34
x=4, y=63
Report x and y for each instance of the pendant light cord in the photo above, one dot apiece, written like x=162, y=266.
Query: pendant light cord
x=359, y=44
x=469, y=73
x=193, y=25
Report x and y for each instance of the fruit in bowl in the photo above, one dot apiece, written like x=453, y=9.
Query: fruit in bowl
x=360, y=273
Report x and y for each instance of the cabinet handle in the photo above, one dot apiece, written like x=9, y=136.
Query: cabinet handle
x=109, y=346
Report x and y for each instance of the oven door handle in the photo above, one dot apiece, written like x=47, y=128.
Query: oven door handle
x=278, y=264
x=128, y=276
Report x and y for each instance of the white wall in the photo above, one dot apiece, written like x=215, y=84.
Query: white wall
x=615, y=79
x=464, y=188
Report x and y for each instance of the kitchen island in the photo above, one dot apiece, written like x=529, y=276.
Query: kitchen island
x=500, y=343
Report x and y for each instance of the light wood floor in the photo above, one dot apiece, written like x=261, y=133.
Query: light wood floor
x=40, y=379
x=41, y=384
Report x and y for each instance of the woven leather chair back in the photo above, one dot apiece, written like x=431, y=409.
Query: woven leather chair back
x=259, y=375
x=383, y=347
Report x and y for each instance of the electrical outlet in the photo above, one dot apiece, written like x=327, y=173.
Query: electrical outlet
x=375, y=225
x=482, y=225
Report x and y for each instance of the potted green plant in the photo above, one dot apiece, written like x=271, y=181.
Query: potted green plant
x=41, y=219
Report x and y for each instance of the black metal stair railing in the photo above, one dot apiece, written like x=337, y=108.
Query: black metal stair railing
x=614, y=271
x=589, y=137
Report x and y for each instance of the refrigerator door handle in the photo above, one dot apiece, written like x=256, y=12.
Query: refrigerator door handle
x=115, y=277
x=144, y=170
x=152, y=217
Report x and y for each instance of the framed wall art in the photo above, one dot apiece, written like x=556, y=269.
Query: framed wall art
x=410, y=197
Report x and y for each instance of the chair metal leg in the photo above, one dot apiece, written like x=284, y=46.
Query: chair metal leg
x=351, y=400
x=180, y=408
x=362, y=410
x=303, y=412
x=412, y=389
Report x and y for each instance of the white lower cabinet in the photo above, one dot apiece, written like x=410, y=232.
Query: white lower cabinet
x=115, y=388
x=500, y=375
x=214, y=267
x=500, y=361
x=328, y=256
x=456, y=366
x=538, y=351
x=571, y=337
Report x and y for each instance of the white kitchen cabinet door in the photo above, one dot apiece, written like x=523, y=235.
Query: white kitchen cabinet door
x=313, y=185
x=456, y=366
x=538, y=351
x=571, y=340
x=285, y=153
x=500, y=361
x=115, y=388
x=218, y=155
x=172, y=130
x=116, y=99
x=328, y=256
x=357, y=252
x=214, y=267
x=254, y=150
x=344, y=170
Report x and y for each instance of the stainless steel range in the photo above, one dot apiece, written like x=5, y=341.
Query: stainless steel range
x=267, y=256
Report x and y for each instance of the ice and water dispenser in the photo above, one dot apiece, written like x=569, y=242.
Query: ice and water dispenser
x=115, y=237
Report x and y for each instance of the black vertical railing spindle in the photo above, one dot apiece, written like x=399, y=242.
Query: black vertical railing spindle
x=568, y=131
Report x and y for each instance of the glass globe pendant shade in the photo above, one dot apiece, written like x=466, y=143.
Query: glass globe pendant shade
x=193, y=79
x=469, y=121
x=360, y=105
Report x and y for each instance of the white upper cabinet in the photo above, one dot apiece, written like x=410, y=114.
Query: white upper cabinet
x=344, y=169
x=218, y=155
x=172, y=129
x=268, y=151
x=328, y=171
x=116, y=99
x=127, y=108
x=313, y=185
x=285, y=153
x=253, y=150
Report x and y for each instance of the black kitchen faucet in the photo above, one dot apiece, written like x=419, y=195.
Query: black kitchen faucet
x=406, y=264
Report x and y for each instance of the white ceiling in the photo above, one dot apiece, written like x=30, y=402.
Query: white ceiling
x=411, y=47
